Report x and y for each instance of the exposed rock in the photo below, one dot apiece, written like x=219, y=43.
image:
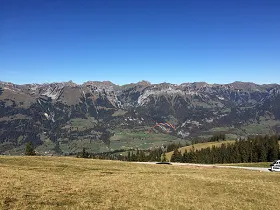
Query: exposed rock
x=50, y=109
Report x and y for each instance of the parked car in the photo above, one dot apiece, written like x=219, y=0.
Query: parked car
x=275, y=166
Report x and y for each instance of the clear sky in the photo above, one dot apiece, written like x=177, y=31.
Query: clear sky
x=125, y=41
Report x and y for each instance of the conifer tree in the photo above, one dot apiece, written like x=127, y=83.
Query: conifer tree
x=29, y=149
x=84, y=153
x=176, y=156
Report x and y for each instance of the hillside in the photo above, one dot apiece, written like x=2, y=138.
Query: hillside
x=62, y=118
x=199, y=146
x=72, y=183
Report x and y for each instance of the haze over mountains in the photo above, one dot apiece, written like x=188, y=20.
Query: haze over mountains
x=64, y=117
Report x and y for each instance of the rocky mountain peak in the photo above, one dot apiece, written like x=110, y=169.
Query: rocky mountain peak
x=95, y=110
x=144, y=83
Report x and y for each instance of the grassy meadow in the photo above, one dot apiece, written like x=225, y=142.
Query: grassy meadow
x=72, y=183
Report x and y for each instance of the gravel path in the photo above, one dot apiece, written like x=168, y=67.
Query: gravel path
x=212, y=166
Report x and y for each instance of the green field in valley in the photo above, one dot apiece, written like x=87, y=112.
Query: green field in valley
x=127, y=139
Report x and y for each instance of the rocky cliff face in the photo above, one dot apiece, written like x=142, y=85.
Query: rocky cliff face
x=64, y=112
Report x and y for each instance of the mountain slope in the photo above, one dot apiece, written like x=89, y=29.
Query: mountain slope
x=64, y=117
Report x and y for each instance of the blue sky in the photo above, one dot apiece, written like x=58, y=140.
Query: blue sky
x=126, y=41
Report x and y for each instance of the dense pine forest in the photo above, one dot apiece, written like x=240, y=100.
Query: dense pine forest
x=254, y=149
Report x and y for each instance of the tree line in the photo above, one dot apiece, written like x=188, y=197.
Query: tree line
x=156, y=154
x=218, y=137
x=132, y=155
x=254, y=149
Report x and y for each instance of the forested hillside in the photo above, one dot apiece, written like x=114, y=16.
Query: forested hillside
x=63, y=118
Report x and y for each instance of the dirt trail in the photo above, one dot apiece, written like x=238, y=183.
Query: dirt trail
x=212, y=166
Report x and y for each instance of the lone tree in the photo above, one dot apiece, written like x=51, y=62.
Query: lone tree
x=29, y=149
x=84, y=154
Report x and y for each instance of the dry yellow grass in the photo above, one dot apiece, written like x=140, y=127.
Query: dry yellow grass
x=72, y=183
x=199, y=146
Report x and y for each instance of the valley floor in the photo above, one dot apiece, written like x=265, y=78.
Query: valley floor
x=72, y=183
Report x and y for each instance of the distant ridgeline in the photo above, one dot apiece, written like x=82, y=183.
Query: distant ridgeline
x=63, y=118
x=253, y=149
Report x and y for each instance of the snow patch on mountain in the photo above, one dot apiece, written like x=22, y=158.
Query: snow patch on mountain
x=144, y=98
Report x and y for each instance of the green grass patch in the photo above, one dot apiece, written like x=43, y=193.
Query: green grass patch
x=77, y=122
x=141, y=139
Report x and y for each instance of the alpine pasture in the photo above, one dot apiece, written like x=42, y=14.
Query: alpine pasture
x=74, y=183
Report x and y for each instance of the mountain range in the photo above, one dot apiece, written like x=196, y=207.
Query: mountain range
x=63, y=118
